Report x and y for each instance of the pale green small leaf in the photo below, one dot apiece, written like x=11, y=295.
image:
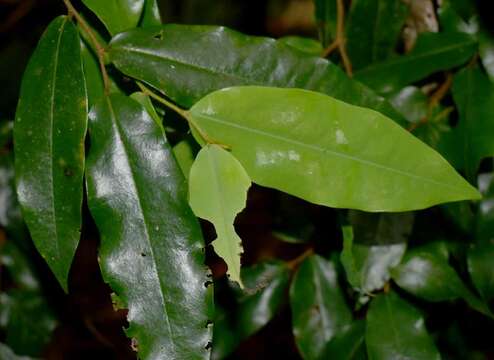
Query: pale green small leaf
x=218, y=187
x=185, y=152
x=117, y=15
x=380, y=166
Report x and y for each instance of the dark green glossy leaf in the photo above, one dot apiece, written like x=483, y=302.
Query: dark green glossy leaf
x=49, y=132
x=485, y=217
x=319, y=310
x=396, y=330
x=151, y=245
x=411, y=102
x=368, y=267
x=373, y=30
x=263, y=295
x=150, y=14
x=433, y=52
x=326, y=16
x=305, y=45
x=117, y=15
x=486, y=51
x=170, y=59
x=92, y=74
x=145, y=101
x=7, y=354
x=471, y=140
x=481, y=269
x=381, y=167
x=427, y=275
x=349, y=345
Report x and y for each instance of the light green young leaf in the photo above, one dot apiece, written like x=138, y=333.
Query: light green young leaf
x=396, y=330
x=293, y=140
x=218, y=187
x=117, y=15
x=49, y=133
x=185, y=152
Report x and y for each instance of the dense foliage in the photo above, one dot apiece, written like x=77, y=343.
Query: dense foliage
x=241, y=196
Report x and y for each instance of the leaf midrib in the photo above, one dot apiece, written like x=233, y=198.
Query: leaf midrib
x=119, y=131
x=323, y=150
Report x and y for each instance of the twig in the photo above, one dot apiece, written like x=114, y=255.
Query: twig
x=294, y=263
x=340, y=40
x=100, y=50
x=15, y=16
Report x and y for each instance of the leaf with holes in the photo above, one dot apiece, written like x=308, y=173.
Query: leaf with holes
x=218, y=187
x=151, y=245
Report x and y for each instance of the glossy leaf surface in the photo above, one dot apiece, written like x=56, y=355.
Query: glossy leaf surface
x=471, y=140
x=427, y=275
x=151, y=245
x=349, y=345
x=218, y=187
x=49, y=133
x=264, y=293
x=117, y=15
x=305, y=45
x=381, y=167
x=170, y=59
x=319, y=310
x=433, y=52
x=150, y=14
x=481, y=269
x=396, y=330
x=373, y=30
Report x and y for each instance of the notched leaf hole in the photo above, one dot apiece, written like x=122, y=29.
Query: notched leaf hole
x=134, y=345
x=208, y=283
x=158, y=36
x=208, y=323
x=209, y=345
x=143, y=254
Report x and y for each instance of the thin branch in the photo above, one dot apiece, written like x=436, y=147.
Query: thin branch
x=340, y=40
x=100, y=50
x=294, y=263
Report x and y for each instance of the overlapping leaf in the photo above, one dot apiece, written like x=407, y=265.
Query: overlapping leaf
x=171, y=59
x=381, y=167
x=117, y=15
x=49, y=133
x=151, y=245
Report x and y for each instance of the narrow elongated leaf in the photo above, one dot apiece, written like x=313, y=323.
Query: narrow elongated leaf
x=260, y=300
x=373, y=29
x=396, y=330
x=433, y=52
x=481, y=269
x=49, y=132
x=92, y=75
x=381, y=167
x=151, y=245
x=326, y=16
x=471, y=140
x=170, y=59
x=218, y=187
x=319, y=310
x=427, y=275
x=117, y=15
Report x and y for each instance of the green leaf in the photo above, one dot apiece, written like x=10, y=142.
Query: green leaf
x=481, y=270
x=92, y=75
x=170, y=60
x=7, y=354
x=319, y=310
x=349, y=345
x=145, y=101
x=185, y=152
x=411, y=102
x=433, y=52
x=151, y=251
x=117, y=15
x=485, y=217
x=260, y=300
x=150, y=14
x=326, y=17
x=306, y=45
x=218, y=187
x=49, y=132
x=373, y=30
x=396, y=330
x=486, y=52
x=381, y=241
x=471, y=140
x=427, y=275
x=381, y=167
